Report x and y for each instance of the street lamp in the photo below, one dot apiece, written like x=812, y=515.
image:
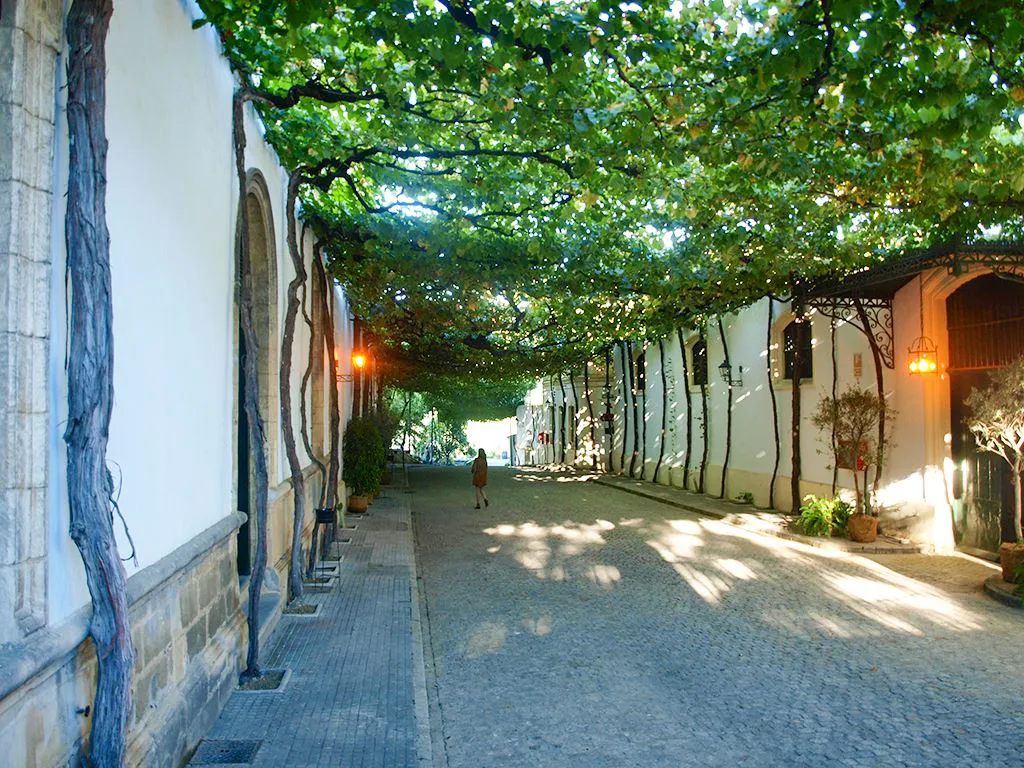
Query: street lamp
x=726, y=370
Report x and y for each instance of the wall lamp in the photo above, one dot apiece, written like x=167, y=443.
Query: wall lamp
x=359, y=361
x=726, y=370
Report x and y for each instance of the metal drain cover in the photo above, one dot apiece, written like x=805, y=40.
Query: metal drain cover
x=226, y=752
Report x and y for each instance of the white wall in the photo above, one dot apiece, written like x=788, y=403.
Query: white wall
x=171, y=204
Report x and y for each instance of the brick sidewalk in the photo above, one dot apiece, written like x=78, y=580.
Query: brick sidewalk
x=352, y=694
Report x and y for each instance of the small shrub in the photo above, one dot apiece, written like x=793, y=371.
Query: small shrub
x=746, y=497
x=824, y=517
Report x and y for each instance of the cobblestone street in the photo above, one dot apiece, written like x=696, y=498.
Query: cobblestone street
x=575, y=625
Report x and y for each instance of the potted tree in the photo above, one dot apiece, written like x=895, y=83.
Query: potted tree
x=997, y=421
x=852, y=422
x=363, y=456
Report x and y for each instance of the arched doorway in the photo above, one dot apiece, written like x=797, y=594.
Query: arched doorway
x=264, y=281
x=985, y=320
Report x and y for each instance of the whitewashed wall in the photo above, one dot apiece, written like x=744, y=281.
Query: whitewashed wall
x=914, y=481
x=172, y=203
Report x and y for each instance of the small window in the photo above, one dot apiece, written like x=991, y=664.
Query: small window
x=797, y=333
x=699, y=355
x=641, y=374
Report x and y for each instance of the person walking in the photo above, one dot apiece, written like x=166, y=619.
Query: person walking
x=479, y=470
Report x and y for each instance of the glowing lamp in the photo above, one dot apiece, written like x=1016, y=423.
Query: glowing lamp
x=359, y=360
x=922, y=356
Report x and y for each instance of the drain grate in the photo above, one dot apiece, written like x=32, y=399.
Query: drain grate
x=225, y=752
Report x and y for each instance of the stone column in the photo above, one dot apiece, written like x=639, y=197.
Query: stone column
x=30, y=35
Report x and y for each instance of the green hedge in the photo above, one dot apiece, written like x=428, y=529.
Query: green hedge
x=363, y=457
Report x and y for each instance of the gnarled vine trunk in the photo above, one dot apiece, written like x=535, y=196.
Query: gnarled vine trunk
x=689, y=410
x=798, y=363
x=775, y=408
x=588, y=395
x=314, y=357
x=575, y=419
x=728, y=410
x=90, y=379
x=327, y=324
x=625, y=406
x=285, y=389
x=564, y=409
x=664, y=409
x=257, y=431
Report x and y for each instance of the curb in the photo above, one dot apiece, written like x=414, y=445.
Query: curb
x=999, y=590
x=730, y=519
x=421, y=699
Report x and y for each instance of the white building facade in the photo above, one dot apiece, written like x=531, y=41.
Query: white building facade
x=678, y=415
x=178, y=447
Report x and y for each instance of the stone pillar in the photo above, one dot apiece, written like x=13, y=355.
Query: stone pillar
x=30, y=35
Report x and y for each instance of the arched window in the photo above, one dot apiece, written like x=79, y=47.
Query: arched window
x=797, y=334
x=699, y=368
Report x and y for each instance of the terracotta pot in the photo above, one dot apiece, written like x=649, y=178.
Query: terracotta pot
x=862, y=528
x=1010, y=557
x=357, y=504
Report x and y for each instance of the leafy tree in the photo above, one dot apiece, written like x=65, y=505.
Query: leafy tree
x=997, y=421
x=851, y=421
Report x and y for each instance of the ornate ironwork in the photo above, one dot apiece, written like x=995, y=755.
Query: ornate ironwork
x=879, y=316
x=955, y=257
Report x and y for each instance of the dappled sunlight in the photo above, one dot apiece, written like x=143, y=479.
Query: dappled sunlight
x=552, y=475
x=555, y=552
x=735, y=568
x=606, y=576
x=675, y=547
x=710, y=588
x=488, y=637
x=691, y=527
x=714, y=558
x=541, y=626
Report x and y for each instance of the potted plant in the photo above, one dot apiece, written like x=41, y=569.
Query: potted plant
x=824, y=517
x=363, y=456
x=997, y=421
x=852, y=422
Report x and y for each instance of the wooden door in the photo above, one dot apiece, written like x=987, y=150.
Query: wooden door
x=985, y=319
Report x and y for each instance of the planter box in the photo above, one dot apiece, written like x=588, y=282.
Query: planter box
x=1010, y=557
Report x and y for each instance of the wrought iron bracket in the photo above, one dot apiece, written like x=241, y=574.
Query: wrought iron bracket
x=879, y=315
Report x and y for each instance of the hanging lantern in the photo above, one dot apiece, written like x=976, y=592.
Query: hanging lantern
x=922, y=356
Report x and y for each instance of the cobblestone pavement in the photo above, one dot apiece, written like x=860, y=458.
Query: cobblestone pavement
x=575, y=625
x=349, y=700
